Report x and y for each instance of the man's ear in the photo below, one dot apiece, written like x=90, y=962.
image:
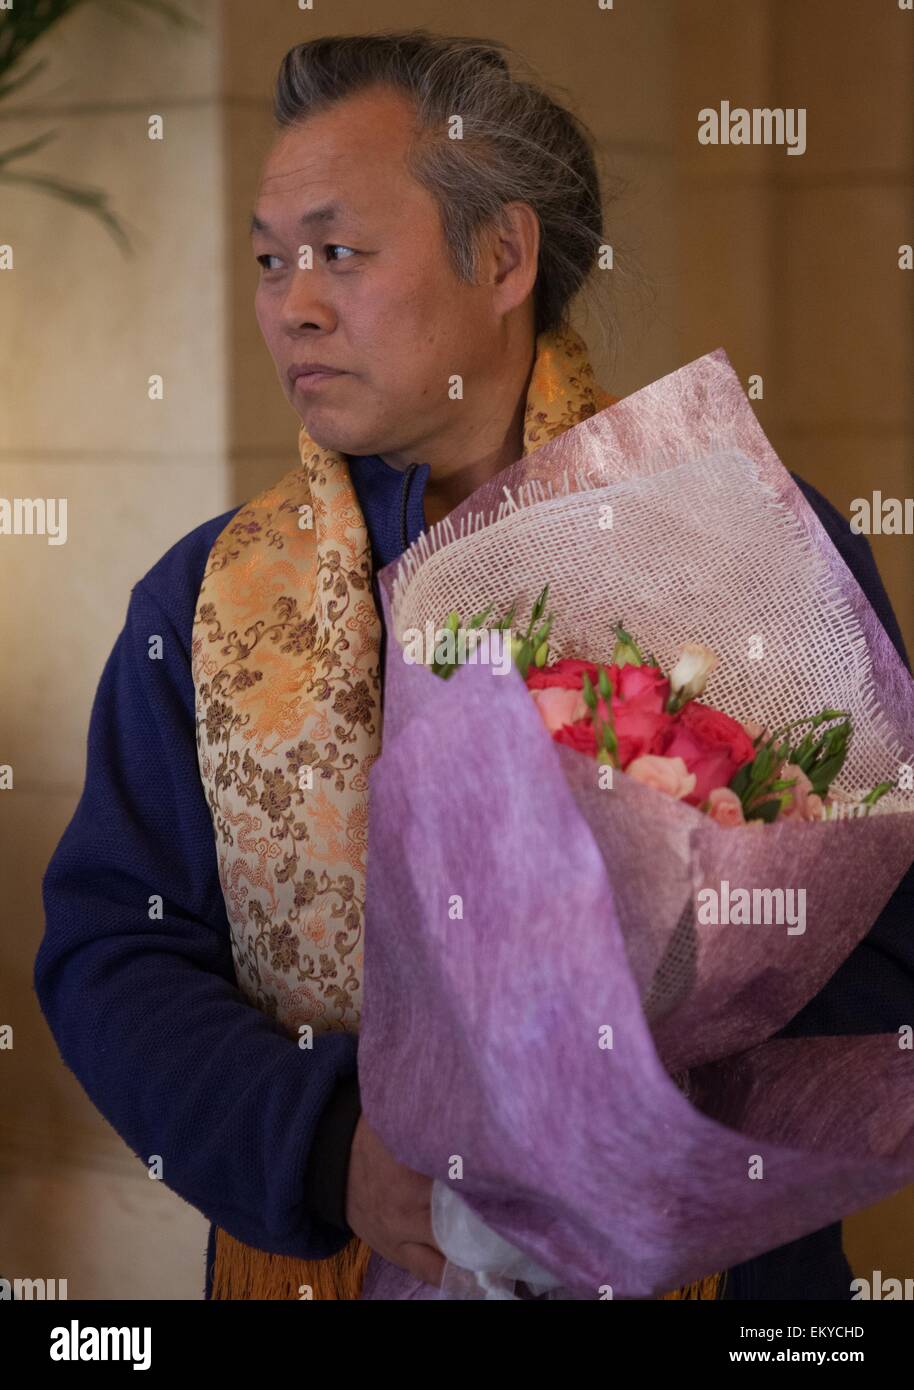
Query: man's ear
x=513, y=255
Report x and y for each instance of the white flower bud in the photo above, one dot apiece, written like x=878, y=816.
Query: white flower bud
x=688, y=676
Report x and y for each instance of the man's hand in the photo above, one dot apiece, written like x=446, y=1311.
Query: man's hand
x=389, y=1206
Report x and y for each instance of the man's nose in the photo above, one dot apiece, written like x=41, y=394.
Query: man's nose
x=307, y=304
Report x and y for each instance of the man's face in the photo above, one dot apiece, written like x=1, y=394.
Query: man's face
x=381, y=301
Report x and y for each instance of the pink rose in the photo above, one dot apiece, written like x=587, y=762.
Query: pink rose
x=725, y=807
x=711, y=744
x=558, y=706
x=665, y=774
x=712, y=766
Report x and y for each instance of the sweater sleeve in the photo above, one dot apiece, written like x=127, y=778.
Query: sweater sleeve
x=143, y=1003
x=873, y=990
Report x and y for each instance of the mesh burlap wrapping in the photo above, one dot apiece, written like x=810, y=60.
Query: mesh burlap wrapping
x=481, y=1034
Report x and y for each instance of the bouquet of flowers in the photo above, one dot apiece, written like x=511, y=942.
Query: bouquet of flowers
x=652, y=726
x=574, y=973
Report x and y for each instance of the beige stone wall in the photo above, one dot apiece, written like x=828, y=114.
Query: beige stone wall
x=788, y=263
x=82, y=327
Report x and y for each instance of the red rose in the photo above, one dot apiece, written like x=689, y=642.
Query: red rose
x=579, y=735
x=635, y=682
x=568, y=674
x=711, y=744
x=639, y=713
x=640, y=726
x=718, y=728
x=639, y=699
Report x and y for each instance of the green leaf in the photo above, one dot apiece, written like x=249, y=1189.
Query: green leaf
x=804, y=753
x=478, y=618
x=543, y=633
x=537, y=613
x=878, y=791
x=822, y=776
x=739, y=782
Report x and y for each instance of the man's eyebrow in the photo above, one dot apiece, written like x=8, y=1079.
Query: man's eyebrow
x=327, y=212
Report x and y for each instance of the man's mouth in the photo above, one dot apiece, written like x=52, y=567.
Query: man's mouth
x=305, y=375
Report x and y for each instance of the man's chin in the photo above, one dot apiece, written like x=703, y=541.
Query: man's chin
x=330, y=432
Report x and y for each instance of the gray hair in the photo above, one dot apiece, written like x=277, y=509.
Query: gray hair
x=518, y=144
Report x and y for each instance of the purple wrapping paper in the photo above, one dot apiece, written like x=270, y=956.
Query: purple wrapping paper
x=480, y=1037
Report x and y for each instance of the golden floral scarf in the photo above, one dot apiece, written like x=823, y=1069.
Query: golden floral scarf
x=287, y=678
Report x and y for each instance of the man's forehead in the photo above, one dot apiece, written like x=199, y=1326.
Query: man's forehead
x=357, y=132
x=323, y=187
x=324, y=214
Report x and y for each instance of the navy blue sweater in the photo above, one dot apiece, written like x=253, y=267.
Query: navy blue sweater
x=252, y=1130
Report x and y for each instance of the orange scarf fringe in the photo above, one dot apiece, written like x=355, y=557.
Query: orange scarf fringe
x=242, y=1272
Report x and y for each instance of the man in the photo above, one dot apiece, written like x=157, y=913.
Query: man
x=381, y=275
x=395, y=357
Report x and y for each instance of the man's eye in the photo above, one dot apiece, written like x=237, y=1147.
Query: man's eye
x=334, y=246
x=266, y=257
